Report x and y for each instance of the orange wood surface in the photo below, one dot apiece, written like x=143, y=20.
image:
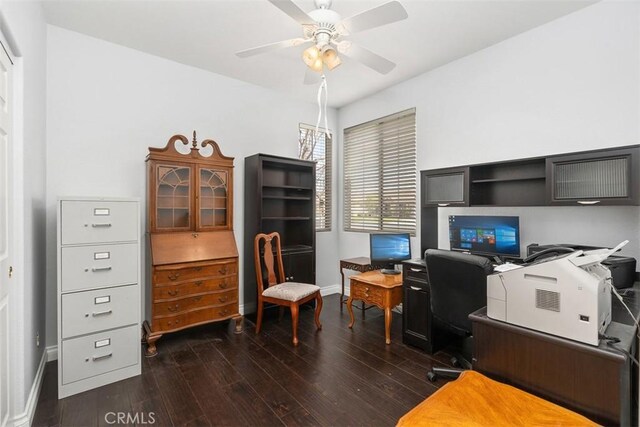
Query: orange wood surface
x=182, y=247
x=475, y=400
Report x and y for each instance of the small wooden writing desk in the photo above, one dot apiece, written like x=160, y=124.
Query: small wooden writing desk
x=382, y=290
x=360, y=264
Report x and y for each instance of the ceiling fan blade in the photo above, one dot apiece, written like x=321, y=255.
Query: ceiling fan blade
x=368, y=58
x=311, y=77
x=271, y=47
x=381, y=15
x=291, y=9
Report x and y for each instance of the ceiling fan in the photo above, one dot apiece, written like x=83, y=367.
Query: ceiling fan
x=325, y=30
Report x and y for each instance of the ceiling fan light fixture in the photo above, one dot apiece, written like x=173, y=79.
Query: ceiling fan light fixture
x=311, y=55
x=330, y=57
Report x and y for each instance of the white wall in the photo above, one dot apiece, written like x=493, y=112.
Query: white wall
x=106, y=104
x=26, y=22
x=570, y=85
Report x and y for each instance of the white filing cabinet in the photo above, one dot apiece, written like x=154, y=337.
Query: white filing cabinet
x=99, y=292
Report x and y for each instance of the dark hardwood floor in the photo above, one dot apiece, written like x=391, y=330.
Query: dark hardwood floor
x=210, y=376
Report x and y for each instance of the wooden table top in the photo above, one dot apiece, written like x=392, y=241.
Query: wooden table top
x=376, y=278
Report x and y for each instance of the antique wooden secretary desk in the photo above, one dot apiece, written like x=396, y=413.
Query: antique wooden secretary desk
x=193, y=267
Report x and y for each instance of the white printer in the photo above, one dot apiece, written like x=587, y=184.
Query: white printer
x=568, y=295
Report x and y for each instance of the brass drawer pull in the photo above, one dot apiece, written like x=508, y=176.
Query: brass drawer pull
x=173, y=293
x=174, y=308
x=173, y=276
x=197, y=268
x=223, y=270
x=223, y=285
x=223, y=299
x=172, y=323
x=106, y=356
x=198, y=283
x=224, y=312
x=198, y=298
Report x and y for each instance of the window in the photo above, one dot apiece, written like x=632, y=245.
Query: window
x=317, y=146
x=380, y=174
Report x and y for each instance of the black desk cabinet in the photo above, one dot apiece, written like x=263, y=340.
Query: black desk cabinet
x=416, y=305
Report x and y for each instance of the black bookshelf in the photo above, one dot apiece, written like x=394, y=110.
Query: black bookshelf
x=279, y=195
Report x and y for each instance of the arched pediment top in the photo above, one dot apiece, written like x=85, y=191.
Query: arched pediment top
x=170, y=150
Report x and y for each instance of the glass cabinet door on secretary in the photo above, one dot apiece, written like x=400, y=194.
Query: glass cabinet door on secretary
x=172, y=204
x=213, y=201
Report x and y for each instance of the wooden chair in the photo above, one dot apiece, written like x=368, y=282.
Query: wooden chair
x=284, y=294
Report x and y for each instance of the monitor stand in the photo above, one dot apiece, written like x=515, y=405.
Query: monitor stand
x=391, y=270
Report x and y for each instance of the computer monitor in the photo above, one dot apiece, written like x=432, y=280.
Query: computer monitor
x=390, y=249
x=485, y=235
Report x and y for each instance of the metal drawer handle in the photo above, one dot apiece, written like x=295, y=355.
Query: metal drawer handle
x=173, y=276
x=108, y=224
x=223, y=299
x=102, y=313
x=174, y=308
x=443, y=205
x=173, y=293
x=416, y=270
x=106, y=356
x=588, y=202
x=223, y=285
x=224, y=312
x=198, y=283
x=197, y=268
x=171, y=323
x=414, y=288
x=198, y=298
x=223, y=270
x=95, y=269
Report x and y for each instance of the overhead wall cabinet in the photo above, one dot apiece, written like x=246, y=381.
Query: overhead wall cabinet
x=194, y=258
x=445, y=187
x=98, y=292
x=609, y=177
x=279, y=195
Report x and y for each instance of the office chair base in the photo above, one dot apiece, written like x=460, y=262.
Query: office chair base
x=443, y=372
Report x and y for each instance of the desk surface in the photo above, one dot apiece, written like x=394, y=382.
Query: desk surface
x=376, y=278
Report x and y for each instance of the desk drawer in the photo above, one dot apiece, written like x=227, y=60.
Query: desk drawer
x=99, y=353
x=91, y=311
x=176, y=275
x=415, y=272
x=85, y=267
x=98, y=222
x=183, y=305
x=181, y=290
x=368, y=293
x=180, y=321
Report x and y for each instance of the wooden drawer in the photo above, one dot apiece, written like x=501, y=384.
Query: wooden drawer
x=180, y=290
x=367, y=293
x=84, y=267
x=181, y=321
x=175, y=275
x=170, y=308
x=91, y=311
x=98, y=222
x=99, y=353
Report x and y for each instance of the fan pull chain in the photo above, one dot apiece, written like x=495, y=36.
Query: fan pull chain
x=322, y=107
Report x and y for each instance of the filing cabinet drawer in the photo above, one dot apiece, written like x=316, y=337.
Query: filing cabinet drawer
x=99, y=353
x=91, y=311
x=85, y=267
x=179, y=290
x=162, y=275
x=98, y=222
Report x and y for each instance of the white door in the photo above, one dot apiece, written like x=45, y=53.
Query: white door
x=6, y=225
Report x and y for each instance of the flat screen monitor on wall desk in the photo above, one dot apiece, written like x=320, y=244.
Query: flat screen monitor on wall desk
x=494, y=236
x=390, y=249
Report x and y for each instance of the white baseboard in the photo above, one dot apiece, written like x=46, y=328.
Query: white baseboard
x=52, y=353
x=330, y=290
x=26, y=418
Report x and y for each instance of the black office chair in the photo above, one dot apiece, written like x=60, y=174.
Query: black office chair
x=458, y=284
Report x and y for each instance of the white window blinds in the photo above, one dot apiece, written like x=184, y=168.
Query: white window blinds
x=317, y=146
x=380, y=174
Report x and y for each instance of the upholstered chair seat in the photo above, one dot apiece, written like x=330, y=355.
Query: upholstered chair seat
x=290, y=291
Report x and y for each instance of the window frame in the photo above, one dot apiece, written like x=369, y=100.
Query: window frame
x=325, y=175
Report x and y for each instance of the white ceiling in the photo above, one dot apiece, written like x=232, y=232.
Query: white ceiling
x=207, y=33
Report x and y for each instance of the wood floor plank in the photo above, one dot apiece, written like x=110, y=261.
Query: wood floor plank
x=250, y=404
x=178, y=398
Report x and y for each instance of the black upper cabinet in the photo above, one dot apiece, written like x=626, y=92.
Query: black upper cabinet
x=445, y=187
x=279, y=195
x=603, y=177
